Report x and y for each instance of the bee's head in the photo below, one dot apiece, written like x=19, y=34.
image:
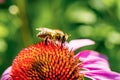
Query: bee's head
x=66, y=36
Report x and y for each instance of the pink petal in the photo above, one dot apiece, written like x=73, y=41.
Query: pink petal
x=6, y=74
x=102, y=75
x=93, y=60
x=75, y=44
x=96, y=66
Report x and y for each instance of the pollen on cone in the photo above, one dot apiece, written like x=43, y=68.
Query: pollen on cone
x=46, y=62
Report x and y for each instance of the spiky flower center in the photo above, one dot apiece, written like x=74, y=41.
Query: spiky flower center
x=46, y=62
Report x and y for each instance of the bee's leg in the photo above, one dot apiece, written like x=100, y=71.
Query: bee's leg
x=63, y=40
x=57, y=39
x=46, y=40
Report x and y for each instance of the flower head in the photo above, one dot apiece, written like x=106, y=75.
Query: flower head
x=45, y=62
x=53, y=62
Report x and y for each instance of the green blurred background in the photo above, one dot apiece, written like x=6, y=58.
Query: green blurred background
x=98, y=20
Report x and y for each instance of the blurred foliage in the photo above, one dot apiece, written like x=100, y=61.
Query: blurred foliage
x=98, y=20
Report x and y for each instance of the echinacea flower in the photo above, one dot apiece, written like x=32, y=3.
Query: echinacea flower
x=53, y=62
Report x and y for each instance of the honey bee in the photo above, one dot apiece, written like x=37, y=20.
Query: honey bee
x=54, y=35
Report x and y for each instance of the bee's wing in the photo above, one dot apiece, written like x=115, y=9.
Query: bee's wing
x=41, y=29
x=46, y=30
x=57, y=31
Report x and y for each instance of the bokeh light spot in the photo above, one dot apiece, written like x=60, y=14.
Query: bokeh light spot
x=13, y=9
x=3, y=31
x=3, y=46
